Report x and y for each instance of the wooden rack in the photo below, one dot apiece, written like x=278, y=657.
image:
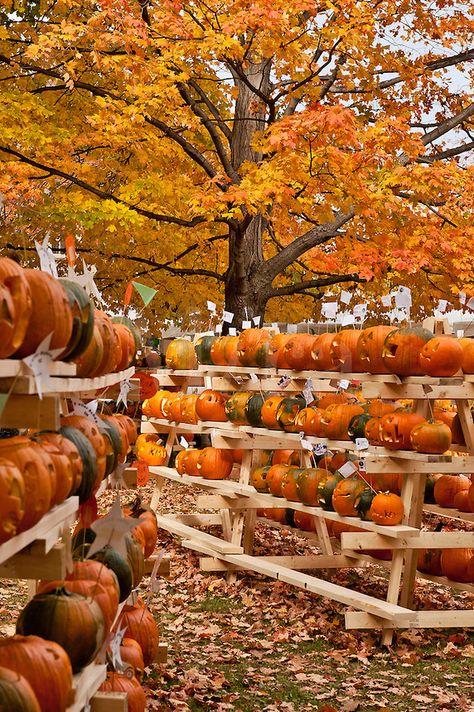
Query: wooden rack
x=236, y=502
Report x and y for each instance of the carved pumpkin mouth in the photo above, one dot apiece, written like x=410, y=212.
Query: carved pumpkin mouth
x=390, y=350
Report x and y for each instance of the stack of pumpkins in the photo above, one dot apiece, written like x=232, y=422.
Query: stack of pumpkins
x=66, y=624
x=452, y=491
x=409, y=351
x=373, y=497
x=34, y=305
x=41, y=470
x=211, y=463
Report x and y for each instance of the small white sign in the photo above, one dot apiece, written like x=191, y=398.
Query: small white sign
x=347, y=319
x=403, y=297
x=320, y=449
x=256, y=320
x=306, y=445
x=442, y=305
x=460, y=333
x=386, y=300
x=211, y=307
x=232, y=331
x=362, y=465
x=227, y=316
x=308, y=391
x=347, y=469
x=246, y=324
x=125, y=388
x=219, y=329
x=360, y=310
x=284, y=382
x=344, y=384
x=329, y=310
x=470, y=303
x=254, y=377
x=345, y=297
x=462, y=297
x=183, y=442
x=362, y=443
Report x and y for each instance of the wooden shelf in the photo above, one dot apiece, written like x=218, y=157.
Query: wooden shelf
x=65, y=385
x=46, y=532
x=9, y=368
x=449, y=513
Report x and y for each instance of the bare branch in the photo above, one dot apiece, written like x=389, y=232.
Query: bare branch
x=302, y=287
x=449, y=153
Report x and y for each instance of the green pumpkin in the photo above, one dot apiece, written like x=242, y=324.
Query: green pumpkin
x=429, y=497
x=16, y=693
x=89, y=461
x=356, y=428
x=135, y=559
x=121, y=568
x=326, y=487
x=287, y=412
x=81, y=541
x=82, y=310
x=235, y=407
x=60, y=615
x=261, y=357
x=253, y=409
x=363, y=503
x=203, y=349
x=112, y=432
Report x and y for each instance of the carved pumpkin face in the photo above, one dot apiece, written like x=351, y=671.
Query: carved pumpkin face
x=387, y=509
x=180, y=355
x=336, y=419
x=441, y=356
x=298, y=351
x=276, y=354
x=186, y=462
x=12, y=499
x=275, y=478
x=269, y=412
x=188, y=409
x=395, y=429
x=431, y=437
x=214, y=463
x=344, y=352
x=401, y=350
x=153, y=454
x=258, y=478
x=321, y=353
x=308, y=421
x=250, y=343
x=345, y=495
x=210, y=405
x=370, y=346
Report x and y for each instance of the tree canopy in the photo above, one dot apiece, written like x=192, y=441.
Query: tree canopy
x=251, y=151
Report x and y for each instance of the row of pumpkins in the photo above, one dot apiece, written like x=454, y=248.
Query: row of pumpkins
x=455, y=564
x=65, y=625
x=34, y=305
x=408, y=351
x=337, y=416
x=42, y=469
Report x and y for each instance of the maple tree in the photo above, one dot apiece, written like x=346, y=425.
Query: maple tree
x=255, y=149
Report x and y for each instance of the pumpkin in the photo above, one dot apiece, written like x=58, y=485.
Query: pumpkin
x=286, y=457
x=91, y=570
x=276, y=354
x=114, y=561
x=372, y=430
x=432, y=436
x=326, y=487
x=269, y=412
x=65, y=478
x=44, y=664
x=12, y=499
x=344, y=353
x=305, y=521
x=401, y=350
x=16, y=309
x=152, y=407
x=467, y=346
x=202, y=348
x=258, y=478
x=446, y=488
x=336, y=419
x=327, y=399
x=112, y=353
x=73, y=621
x=470, y=496
x=235, y=407
x=461, y=501
x=288, y=484
x=82, y=310
x=120, y=682
x=307, y=485
x=26, y=455
x=116, y=444
x=386, y=509
x=308, y=421
x=429, y=488
x=187, y=409
x=145, y=438
x=377, y=408
x=130, y=426
x=131, y=653
x=210, y=405
x=275, y=479
x=135, y=556
x=16, y=693
x=171, y=407
x=88, y=362
x=455, y=563
x=214, y=464
x=148, y=524
x=106, y=597
x=253, y=409
x=287, y=411
x=141, y=626
x=50, y=314
x=370, y=347
x=186, y=462
x=131, y=326
x=321, y=353
x=395, y=429
x=250, y=345
x=441, y=356
x=180, y=355
x=88, y=460
x=126, y=346
x=297, y=352
x=356, y=427
x=345, y=494
x=224, y=351
x=385, y=482
x=363, y=503
x=92, y=432
x=429, y=561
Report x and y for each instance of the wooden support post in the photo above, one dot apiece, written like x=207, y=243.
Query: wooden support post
x=226, y=524
x=240, y=517
x=109, y=702
x=159, y=484
x=161, y=656
x=163, y=568
x=249, y=530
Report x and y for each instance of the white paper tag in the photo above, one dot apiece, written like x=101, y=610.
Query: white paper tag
x=470, y=303
x=246, y=324
x=329, y=310
x=232, y=331
x=462, y=297
x=442, y=305
x=343, y=384
x=227, y=316
x=403, y=297
x=47, y=258
x=320, y=449
x=306, y=445
x=39, y=362
x=386, y=300
x=308, y=391
x=254, y=377
x=87, y=409
x=361, y=443
x=347, y=469
x=219, y=329
x=125, y=388
x=183, y=442
x=256, y=320
x=345, y=297
x=460, y=333
x=211, y=307
x=284, y=382
x=360, y=310
x=347, y=319
x=362, y=465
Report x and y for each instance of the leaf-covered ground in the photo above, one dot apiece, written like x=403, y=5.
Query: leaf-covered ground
x=260, y=644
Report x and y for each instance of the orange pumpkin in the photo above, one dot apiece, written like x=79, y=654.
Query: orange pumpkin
x=153, y=454
x=304, y=521
x=17, y=306
x=307, y=485
x=181, y=355
x=336, y=419
x=433, y=436
x=87, y=364
x=370, y=346
x=286, y=457
x=112, y=353
x=186, y=462
x=214, y=463
x=441, y=356
x=386, y=509
x=187, y=409
x=210, y=405
x=470, y=497
x=308, y=421
x=401, y=350
x=321, y=353
x=269, y=411
x=345, y=495
x=258, y=478
x=288, y=485
x=276, y=354
x=127, y=345
x=395, y=429
x=12, y=499
x=275, y=477
x=461, y=501
x=447, y=486
x=377, y=408
x=455, y=564
x=251, y=346
x=297, y=351
x=344, y=353
x=467, y=346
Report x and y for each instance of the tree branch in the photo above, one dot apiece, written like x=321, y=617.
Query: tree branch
x=302, y=287
x=212, y=108
x=449, y=153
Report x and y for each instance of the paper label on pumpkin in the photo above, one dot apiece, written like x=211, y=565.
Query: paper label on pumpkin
x=442, y=305
x=470, y=303
x=256, y=320
x=344, y=384
x=39, y=363
x=125, y=388
x=47, y=258
x=219, y=329
x=347, y=319
x=329, y=310
x=254, y=378
x=306, y=445
x=308, y=391
x=183, y=442
x=320, y=449
x=227, y=316
x=110, y=530
x=284, y=382
x=361, y=443
x=403, y=297
x=347, y=469
x=362, y=465
x=87, y=409
x=232, y=331
x=462, y=297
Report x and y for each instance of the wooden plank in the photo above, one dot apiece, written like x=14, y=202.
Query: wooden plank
x=467, y=424
x=183, y=530
x=27, y=564
x=109, y=702
x=28, y=411
x=164, y=568
x=215, y=501
x=130, y=477
x=298, y=563
x=464, y=391
x=357, y=541
x=449, y=513
x=423, y=619
x=443, y=581
x=55, y=517
x=330, y=590
x=85, y=684
x=161, y=656
x=12, y=367
x=66, y=384
x=393, y=464
x=197, y=520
